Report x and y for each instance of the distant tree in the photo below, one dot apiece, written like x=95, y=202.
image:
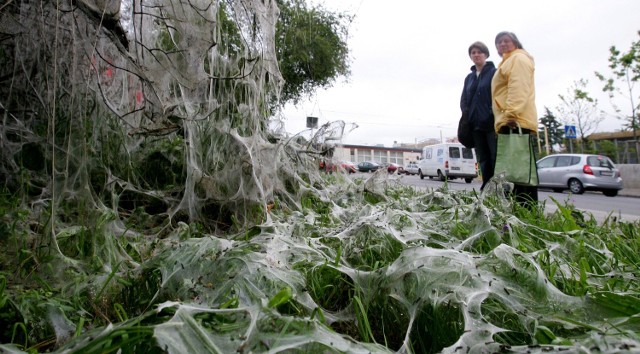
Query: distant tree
x=625, y=68
x=579, y=109
x=554, y=129
x=608, y=148
x=311, y=48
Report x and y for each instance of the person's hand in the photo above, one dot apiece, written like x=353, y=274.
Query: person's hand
x=512, y=123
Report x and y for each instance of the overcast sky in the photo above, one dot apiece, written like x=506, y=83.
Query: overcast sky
x=409, y=60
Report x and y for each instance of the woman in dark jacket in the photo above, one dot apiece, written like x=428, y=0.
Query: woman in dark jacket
x=476, y=103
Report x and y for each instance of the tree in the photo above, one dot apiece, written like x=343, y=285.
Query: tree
x=579, y=108
x=625, y=68
x=311, y=48
x=554, y=131
x=608, y=148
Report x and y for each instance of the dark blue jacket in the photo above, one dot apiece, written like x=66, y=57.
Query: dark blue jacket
x=476, y=97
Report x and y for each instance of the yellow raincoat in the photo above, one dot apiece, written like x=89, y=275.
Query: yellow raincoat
x=513, y=91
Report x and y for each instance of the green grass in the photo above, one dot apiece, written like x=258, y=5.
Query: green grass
x=406, y=271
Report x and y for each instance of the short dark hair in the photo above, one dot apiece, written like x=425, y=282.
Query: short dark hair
x=511, y=35
x=480, y=46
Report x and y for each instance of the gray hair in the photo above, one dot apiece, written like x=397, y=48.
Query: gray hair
x=511, y=35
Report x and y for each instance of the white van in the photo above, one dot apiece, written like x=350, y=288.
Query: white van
x=448, y=161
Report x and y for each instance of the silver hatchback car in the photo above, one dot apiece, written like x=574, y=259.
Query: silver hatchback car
x=579, y=172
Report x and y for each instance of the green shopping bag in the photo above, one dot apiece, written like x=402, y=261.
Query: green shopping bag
x=515, y=158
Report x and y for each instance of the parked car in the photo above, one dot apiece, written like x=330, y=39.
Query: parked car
x=579, y=172
x=411, y=168
x=330, y=166
x=348, y=166
x=394, y=167
x=325, y=165
x=368, y=166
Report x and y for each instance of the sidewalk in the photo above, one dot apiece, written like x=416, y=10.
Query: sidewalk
x=602, y=215
x=630, y=192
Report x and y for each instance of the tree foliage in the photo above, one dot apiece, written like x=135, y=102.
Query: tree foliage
x=579, y=108
x=608, y=148
x=625, y=70
x=553, y=127
x=311, y=48
x=625, y=73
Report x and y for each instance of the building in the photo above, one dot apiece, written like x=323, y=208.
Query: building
x=379, y=154
x=624, y=142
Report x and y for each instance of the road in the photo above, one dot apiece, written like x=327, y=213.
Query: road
x=624, y=208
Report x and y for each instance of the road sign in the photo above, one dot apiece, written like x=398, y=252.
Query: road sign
x=570, y=131
x=312, y=122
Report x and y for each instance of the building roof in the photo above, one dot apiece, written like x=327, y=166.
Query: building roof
x=624, y=135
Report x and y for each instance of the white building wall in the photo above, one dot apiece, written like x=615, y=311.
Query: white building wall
x=342, y=153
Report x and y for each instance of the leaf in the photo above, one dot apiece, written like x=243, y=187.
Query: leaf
x=544, y=335
x=622, y=304
x=282, y=297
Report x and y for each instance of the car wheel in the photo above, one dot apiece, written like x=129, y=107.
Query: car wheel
x=575, y=186
x=558, y=190
x=420, y=174
x=468, y=180
x=610, y=192
x=441, y=176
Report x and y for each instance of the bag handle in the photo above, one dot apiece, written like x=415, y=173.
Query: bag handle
x=519, y=129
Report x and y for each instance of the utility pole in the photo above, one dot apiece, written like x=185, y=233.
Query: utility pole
x=546, y=140
x=539, y=147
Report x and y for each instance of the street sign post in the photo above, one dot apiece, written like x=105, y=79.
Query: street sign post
x=570, y=133
x=312, y=122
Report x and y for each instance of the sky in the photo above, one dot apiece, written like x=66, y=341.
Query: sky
x=409, y=59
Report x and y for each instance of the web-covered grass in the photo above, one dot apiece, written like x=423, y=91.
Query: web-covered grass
x=147, y=207
x=406, y=270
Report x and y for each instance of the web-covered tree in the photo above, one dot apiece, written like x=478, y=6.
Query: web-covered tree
x=120, y=128
x=578, y=108
x=169, y=104
x=554, y=132
x=311, y=46
x=625, y=73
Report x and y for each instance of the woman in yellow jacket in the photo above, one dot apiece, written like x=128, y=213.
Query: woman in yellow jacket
x=513, y=92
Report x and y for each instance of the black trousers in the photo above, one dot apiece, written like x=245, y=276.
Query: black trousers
x=486, y=145
x=526, y=196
